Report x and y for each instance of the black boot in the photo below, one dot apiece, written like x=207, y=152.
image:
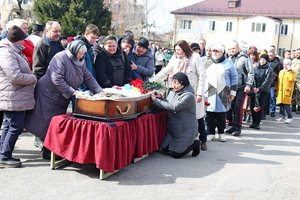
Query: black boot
x=196, y=148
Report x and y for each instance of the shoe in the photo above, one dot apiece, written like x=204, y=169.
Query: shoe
x=255, y=126
x=222, y=137
x=272, y=114
x=288, y=120
x=248, y=120
x=10, y=163
x=280, y=119
x=231, y=130
x=210, y=138
x=237, y=132
x=203, y=146
x=196, y=148
x=38, y=142
x=217, y=137
x=46, y=154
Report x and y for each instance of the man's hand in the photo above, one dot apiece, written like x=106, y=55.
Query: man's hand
x=133, y=66
x=230, y=98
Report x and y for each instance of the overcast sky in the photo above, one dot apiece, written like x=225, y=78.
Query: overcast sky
x=161, y=16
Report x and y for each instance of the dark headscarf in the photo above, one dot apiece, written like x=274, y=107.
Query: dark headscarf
x=181, y=78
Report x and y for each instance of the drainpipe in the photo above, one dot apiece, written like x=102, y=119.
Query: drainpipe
x=292, y=36
x=278, y=39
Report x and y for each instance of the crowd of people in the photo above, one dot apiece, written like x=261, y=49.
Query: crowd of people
x=209, y=87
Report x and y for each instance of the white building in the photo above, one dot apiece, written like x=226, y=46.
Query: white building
x=251, y=22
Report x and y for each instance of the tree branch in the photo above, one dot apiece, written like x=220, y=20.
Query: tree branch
x=20, y=4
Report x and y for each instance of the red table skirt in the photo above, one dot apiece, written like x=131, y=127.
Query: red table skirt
x=109, y=146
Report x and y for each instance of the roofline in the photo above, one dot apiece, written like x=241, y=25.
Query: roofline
x=236, y=12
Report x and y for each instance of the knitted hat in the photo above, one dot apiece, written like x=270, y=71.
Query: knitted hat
x=195, y=46
x=143, y=42
x=265, y=56
x=37, y=27
x=16, y=34
x=181, y=78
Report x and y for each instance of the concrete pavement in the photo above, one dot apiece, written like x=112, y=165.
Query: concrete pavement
x=258, y=165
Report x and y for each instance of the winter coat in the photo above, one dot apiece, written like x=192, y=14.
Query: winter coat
x=54, y=90
x=221, y=82
x=296, y=68
x=244, y=69
x=285, y=86
x=145, y=64
x=42, y=55
x=263, y=76
x=28, y=51
x=112, y=69
x=16, y=79
x=182, y=125
x=276, y=66
x=196, y=74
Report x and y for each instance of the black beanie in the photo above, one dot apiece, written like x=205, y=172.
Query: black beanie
x=15, y=34
x=265, y=56
x=181, y=78
x=143, y=42
x=37, y=27
x=195, y=46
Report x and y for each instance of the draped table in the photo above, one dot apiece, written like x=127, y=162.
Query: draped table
x=109, y=145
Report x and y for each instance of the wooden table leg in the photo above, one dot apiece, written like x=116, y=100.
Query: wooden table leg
x=55, y=164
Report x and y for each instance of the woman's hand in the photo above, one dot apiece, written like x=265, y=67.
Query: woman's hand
x=153, y=96
x=255, y=90
x=198, y=98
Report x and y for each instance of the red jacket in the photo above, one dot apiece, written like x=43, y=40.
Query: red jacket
x=28, y=51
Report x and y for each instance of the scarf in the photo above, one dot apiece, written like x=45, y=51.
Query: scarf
x=182, y=63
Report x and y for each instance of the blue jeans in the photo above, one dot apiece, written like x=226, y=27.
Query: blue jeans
x=285, y=108
x=13, y=124
x=272, y=100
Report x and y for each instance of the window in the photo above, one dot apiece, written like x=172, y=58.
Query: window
x=258, y=27
x=211, y=25
x=283, y=29
x=229, y=26
x=25, y=2
x=10, y=1
x=185, y=24
x=281, y=52
x=232, y=4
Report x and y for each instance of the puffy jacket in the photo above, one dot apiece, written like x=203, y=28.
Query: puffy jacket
x=16, y=79
x=263, y=76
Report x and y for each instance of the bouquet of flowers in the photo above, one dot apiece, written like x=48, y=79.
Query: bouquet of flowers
x=257, y=107
x=146, y=86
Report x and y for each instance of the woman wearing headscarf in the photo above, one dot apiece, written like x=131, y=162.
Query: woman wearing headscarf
x=182, y=122
x=111, y=65
x=184, y=60
x=54, y=91
x=16, y=93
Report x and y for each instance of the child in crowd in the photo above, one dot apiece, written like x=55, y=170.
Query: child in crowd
x=285, y=88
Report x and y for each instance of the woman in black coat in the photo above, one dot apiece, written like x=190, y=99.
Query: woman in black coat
x=111, y=65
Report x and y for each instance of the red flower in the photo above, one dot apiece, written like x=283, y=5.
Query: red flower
x=207, y=103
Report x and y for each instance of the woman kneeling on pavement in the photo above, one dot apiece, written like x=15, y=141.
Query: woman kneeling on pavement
x=67, y=71
x=182, y=122
x=16, y=93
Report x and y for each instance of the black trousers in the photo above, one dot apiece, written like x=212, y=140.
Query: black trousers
x=262, y=99
x=216, y=119
x=201, y=130
x=235, y=114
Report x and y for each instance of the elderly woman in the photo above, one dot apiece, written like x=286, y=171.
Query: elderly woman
x=184, y=60
x=16, y=93
x=55, y=89
x=182, y=122
x=111, y=65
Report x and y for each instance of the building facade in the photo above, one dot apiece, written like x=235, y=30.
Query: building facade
x=251, y=22
x=9, y=9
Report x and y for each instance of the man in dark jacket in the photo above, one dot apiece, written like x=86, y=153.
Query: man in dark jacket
x=89, y=38
x=46, y=48
x=44, y=51
x=244, y=69
x=276, y=65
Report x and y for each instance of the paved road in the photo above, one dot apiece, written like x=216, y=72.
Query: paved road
x=259, y=165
